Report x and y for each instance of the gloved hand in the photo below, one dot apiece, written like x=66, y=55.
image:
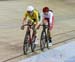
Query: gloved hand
x=22, y=27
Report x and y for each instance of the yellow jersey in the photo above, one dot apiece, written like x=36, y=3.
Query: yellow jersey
x=34, y=17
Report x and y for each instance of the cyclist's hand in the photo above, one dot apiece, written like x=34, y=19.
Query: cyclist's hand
x=22, y=27
x=38, y=25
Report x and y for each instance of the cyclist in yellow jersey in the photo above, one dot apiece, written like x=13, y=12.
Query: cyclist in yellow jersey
x=32, y=15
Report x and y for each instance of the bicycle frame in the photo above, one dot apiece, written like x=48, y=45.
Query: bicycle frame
x=28, y=40
x=47, y=36
x=28, y=31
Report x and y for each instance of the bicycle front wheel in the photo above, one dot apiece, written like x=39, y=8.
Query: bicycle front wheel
x=42, y=40
x=33, y=42
x=26, y=44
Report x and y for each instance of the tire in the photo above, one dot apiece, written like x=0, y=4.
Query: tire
x=26, y=44
x=48, y=44
x=33, y=43
x=48, y=37
x=42, y=40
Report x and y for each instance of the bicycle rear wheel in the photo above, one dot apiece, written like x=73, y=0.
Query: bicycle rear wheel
x=48, y=38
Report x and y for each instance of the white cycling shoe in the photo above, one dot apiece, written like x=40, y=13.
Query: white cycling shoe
x=36, y=42
x=50, y=44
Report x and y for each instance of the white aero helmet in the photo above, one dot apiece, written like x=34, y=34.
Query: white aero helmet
x=30, y=8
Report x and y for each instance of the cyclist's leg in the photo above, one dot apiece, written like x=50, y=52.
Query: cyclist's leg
x=33, y=37
x=36, y=42
x=49, y=34
x=35, y=33
x=50, y=38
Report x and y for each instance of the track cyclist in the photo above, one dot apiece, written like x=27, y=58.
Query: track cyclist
x=33, y=17
x=47, y=18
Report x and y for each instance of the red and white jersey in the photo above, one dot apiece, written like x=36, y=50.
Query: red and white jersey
x=49, y=17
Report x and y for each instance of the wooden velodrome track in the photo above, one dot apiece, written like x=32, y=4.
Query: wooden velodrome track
x=59, y=42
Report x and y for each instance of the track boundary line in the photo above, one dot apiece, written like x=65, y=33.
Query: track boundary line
x=64, y=32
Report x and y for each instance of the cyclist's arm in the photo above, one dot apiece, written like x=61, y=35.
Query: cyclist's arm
x=52, y=21
x=51, y=15
x=23, y=22
x=24, y=19
x=37, y=19
x=41, y=18
x=41, y=21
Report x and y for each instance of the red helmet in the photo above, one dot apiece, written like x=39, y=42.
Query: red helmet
x=45, y=9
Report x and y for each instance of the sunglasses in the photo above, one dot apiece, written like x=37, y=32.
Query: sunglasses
x=29, y=11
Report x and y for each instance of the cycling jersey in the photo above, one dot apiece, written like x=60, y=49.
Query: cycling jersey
x=34, y=17
x=48, y=18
